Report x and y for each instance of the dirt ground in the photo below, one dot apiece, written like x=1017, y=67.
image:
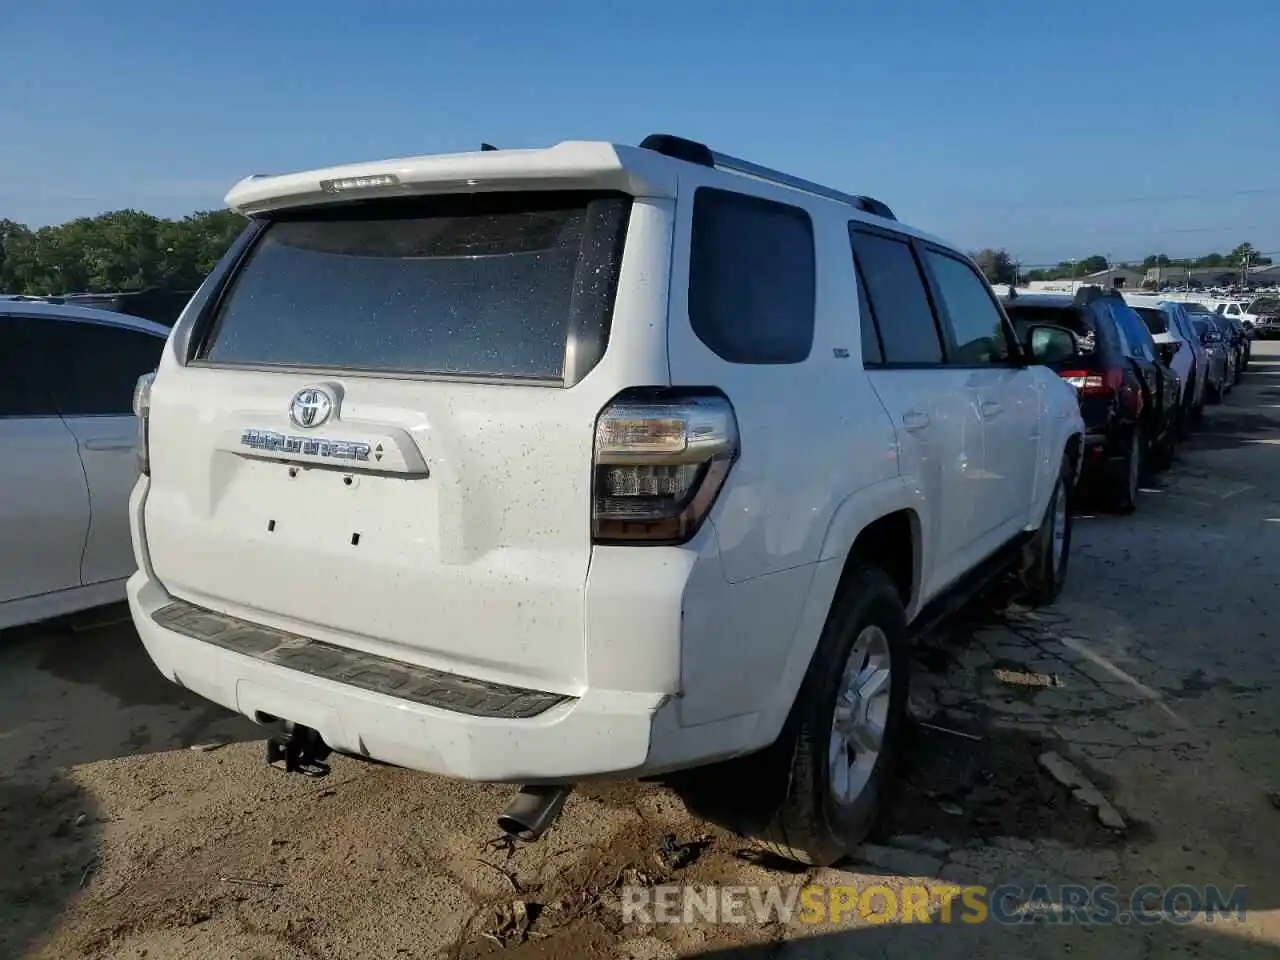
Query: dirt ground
x=137, y=821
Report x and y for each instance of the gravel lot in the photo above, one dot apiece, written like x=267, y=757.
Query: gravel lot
x=1157, y=675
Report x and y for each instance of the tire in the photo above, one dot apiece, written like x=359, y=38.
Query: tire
x=1051, y=550
x=1213, y=391
x=1239, y=370
x=1124, y=487
x=811, y=825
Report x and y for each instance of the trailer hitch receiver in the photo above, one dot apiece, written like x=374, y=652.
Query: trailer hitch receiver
x=299, y=750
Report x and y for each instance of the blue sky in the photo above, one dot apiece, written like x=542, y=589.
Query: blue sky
x=996, y=123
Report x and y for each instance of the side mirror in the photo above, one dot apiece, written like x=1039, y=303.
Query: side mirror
x=1049, y=343
x=1211, y=337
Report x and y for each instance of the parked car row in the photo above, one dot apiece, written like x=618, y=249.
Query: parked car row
x=1146, y=367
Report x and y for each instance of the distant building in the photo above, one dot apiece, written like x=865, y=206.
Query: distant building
x=1265, y=276
x=1180, y=275
x=1126, y=278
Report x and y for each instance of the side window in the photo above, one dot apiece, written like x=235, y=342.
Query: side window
x=871, y=349
x=18, y=395
x=899, y=303
x=752, y=278
x=977, y=327
x=93, y=367
x=1233, y=310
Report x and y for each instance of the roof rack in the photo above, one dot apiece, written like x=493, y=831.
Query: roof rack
x=692, y=151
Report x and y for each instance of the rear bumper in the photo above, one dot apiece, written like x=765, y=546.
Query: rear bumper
x=598, y=731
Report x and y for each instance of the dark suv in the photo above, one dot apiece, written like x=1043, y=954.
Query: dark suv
x=1128, y=395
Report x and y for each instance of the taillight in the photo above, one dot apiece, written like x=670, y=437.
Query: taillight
x=142, y=410
x=659, y=465
x=1095, y=384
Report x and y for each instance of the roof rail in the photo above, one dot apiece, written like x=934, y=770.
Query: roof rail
x=692, y=151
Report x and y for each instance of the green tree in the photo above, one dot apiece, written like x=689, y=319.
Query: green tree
x=120, y=250
x=997, y=265
x=1245, y=253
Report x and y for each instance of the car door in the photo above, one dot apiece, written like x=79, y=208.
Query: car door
x=999, y=387
x=97, y=367
x=939, y=433
x=44, y=502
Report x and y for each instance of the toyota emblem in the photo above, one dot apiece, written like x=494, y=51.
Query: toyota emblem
x=310, y=407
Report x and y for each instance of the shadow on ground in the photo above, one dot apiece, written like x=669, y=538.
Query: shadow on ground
x=49, y=831
x=81, y=689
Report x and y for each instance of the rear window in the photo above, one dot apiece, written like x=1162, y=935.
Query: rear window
x=493, y=285
x=1154, y=318
x=1080, y=322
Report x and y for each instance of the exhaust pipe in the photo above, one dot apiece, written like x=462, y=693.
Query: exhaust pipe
x=532, y=811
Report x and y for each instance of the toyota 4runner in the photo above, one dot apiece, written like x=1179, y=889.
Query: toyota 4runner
x=538, y=465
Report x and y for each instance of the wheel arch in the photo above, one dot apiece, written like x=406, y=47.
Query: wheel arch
x=889, y=520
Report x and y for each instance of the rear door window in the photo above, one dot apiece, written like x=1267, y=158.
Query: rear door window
x=752, y=278
x=895, y=289
x=19, y=395
x=484, y=285
x=91, y=368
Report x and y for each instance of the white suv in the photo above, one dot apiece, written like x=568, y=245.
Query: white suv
x=538, y=465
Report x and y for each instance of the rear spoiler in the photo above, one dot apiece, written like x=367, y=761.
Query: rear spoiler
x=572, y=165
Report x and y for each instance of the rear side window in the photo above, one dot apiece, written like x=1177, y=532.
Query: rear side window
x=752, y=278
x=483, y=285
x=899, y=303
x=91, y=368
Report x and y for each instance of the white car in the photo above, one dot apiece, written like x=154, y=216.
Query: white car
x=70, y=443
x=537, y=465
x=1261, y=316
x=1179, y=344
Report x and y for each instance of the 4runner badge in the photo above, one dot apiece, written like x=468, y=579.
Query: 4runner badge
x=269, y=441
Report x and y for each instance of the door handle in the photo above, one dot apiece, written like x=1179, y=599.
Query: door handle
x=989, y=409
x=111, y=443
x=914, y=420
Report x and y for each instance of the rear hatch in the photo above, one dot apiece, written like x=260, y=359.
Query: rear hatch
x=1085, y=371
x=384, y=435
